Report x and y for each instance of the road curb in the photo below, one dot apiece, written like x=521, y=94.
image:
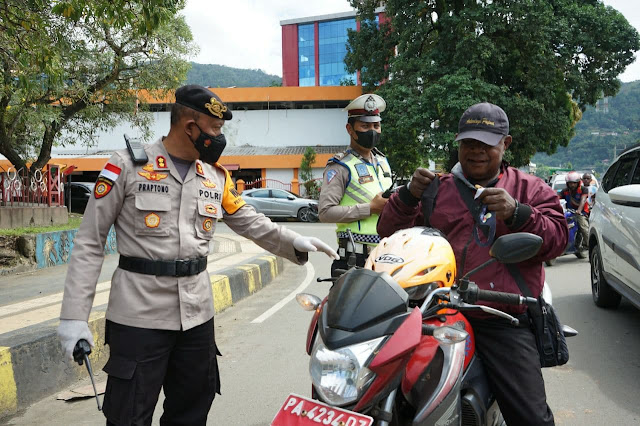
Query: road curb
x=35, y=367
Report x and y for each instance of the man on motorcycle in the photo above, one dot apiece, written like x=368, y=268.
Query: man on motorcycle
x=509, y=201
x=575, y=194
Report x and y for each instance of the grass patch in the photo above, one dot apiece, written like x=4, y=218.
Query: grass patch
x=74, y=223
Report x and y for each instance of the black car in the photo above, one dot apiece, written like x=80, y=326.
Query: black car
x=78, y=194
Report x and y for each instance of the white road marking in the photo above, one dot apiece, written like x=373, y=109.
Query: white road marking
x=15, y=308
x=275, y=308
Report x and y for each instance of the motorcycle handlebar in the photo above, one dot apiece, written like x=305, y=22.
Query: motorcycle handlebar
x=501, y=297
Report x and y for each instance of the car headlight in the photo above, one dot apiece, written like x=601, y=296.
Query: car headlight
x=340, y=376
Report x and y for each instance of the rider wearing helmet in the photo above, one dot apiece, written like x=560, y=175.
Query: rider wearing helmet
x=575, y=194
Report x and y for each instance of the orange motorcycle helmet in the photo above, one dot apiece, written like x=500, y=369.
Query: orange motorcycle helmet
x=420, y=259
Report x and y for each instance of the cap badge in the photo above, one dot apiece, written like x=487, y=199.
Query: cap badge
x=370, y=104
x=215, y=107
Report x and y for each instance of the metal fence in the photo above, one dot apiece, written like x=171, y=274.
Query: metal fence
x=26, y=188
x=268, y=183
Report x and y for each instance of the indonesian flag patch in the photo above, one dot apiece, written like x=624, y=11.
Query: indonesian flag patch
x=106, y=179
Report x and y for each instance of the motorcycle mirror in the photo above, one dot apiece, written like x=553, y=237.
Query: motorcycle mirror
x=309, y=302
x=515, y=248
x=569, y=331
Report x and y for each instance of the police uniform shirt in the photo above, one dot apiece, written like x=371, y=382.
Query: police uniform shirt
x=334, y=183
x=159, y=216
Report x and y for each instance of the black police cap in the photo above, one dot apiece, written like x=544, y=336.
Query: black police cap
x=202, y=100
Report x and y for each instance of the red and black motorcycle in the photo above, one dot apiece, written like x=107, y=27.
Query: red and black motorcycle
x=389, y=344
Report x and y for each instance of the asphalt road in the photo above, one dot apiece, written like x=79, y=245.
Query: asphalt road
x=264, y=362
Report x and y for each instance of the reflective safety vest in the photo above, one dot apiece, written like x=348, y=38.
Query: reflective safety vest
x=365, y=181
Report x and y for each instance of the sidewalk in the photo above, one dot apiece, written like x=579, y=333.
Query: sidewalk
x=31, y=361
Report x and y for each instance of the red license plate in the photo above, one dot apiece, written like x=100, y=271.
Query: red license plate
x=300, y=411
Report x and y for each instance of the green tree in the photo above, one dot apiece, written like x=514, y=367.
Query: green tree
x=311, y=187
x=542, y=61
x=71, y=70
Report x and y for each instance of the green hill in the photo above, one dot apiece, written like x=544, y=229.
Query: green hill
x=602, y=133
x=222, y=76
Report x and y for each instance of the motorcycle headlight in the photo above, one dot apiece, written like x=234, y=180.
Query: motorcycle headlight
x=340, y=377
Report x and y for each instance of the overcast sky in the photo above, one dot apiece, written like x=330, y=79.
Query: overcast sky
x=247, y=33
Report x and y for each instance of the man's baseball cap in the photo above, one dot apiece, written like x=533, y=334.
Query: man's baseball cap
x=202, y=100
x=366, y=108
x=485, y=122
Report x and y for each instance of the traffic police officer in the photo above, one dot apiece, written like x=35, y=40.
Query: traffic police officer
x=159, y=320
x=354, y=180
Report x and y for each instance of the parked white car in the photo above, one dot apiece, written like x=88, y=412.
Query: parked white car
x=614, y=233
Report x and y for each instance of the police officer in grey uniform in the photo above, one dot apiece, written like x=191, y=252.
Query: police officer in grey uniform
x=159, y=320
x=354, y=182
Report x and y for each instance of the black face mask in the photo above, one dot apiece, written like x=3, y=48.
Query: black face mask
x=368, y=139
x=209, y=147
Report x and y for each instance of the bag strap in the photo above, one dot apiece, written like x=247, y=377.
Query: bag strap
x=474, y=209
x=428, y=200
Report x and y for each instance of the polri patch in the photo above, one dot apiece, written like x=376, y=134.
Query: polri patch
x=106, y=179
x=152, y=220
x=102, y=188
x=362, y=170
x=330, y=175
x=207, y=224
x=365, y=179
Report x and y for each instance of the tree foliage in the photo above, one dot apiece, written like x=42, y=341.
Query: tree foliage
x=602, y=133
x=222, y=76
x=69, y=70
x=542, y=61
x=311, y=186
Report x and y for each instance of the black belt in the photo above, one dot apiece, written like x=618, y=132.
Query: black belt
x=171, y=268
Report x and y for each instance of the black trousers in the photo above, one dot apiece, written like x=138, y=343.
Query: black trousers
x=142, y=361
x=512, y=364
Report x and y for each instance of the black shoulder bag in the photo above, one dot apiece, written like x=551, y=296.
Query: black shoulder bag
x=544, y=322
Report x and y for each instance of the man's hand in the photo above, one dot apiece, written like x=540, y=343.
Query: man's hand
x=377, y=204
x=419, y=181
x=307, y=244
x=498, y=201
x=69, y=332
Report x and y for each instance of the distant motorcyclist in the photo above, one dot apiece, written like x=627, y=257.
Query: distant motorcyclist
x=575, y=194
x=590, y=184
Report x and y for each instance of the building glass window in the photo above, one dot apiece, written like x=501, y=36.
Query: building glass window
x=306, y=55
x=332, y=41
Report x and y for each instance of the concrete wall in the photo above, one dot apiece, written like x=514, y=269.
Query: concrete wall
x=281, y=127
x=283, y=175
x=19, y=217
x=54, y=248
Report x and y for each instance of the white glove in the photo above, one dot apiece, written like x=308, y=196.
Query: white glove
x=70, y=332
x=307, y=244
